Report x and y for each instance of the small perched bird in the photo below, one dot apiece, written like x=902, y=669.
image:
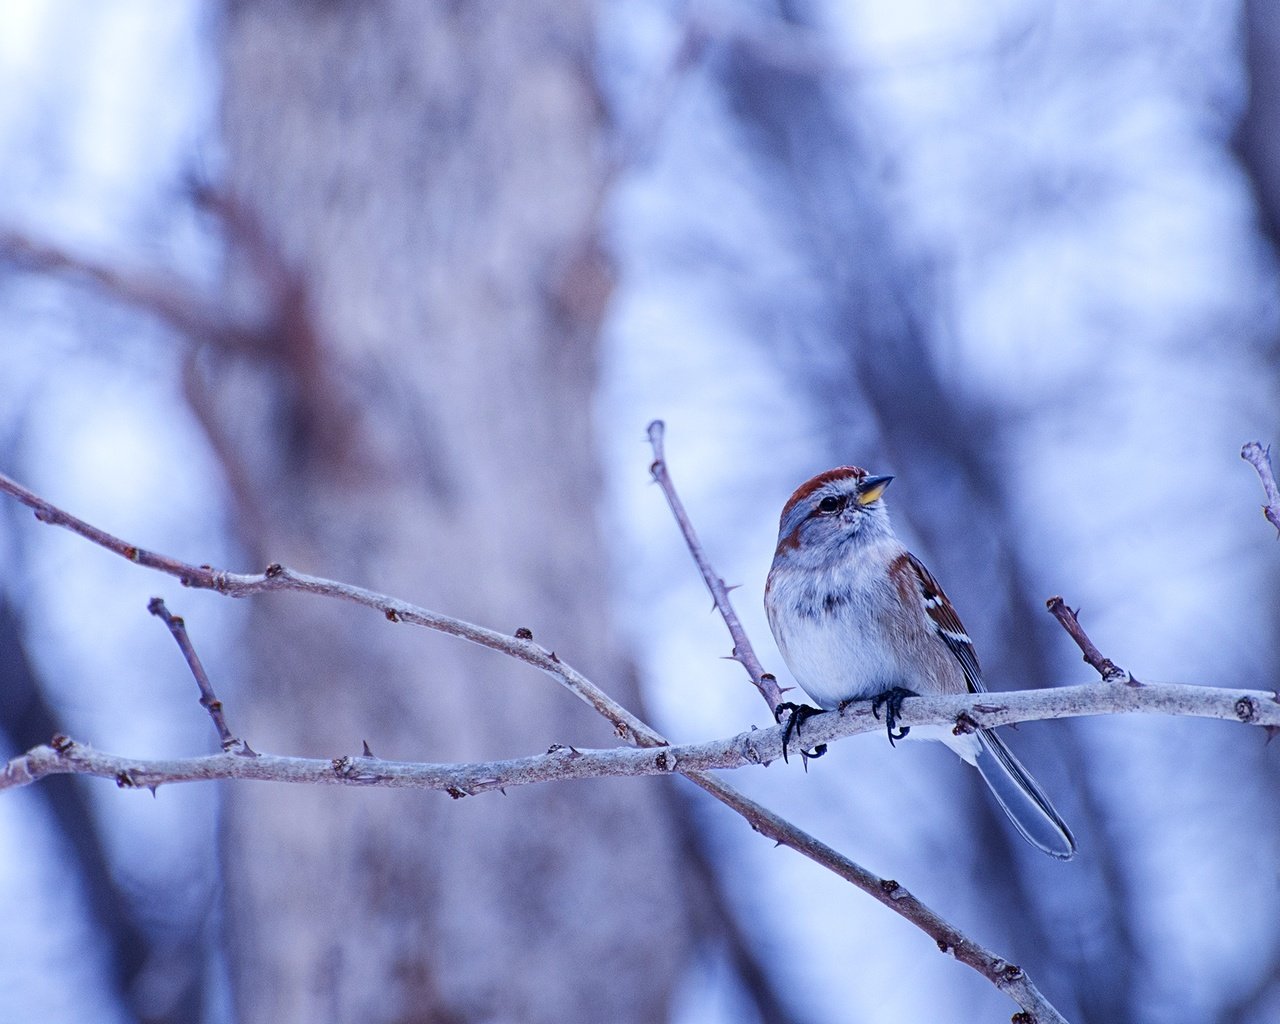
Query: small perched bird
x=857, y=616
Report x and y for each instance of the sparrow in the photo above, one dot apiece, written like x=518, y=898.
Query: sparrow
x=856, y=616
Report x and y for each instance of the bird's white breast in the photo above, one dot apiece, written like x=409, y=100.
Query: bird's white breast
x=835, y=628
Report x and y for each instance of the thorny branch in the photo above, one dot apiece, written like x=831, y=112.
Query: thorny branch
x=743, y=652
x=963, y=712
x=277, y=577
x=1260, y=458
x=1108, y=669
x=208, y=699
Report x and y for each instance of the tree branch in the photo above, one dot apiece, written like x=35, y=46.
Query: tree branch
x=1105, y=667
x=208, y=699
x=64, y=756
x=1260, y=458
x=277, y=578
x=1010, y=979
x=743, y=652
x=963, y=712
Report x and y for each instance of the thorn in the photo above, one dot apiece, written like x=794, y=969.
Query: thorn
x=155, y=789
x=732, y=587
x=366, y=752
x=248, y=751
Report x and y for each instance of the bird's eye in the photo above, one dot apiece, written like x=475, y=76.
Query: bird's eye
x=829, y=504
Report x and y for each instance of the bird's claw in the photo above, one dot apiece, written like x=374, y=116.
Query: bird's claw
x=892, y=700
x=798, y=713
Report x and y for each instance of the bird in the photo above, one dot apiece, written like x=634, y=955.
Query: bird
x=857, y=616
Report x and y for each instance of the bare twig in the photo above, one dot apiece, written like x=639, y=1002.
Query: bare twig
x=208, y=699
x=1009, y=978
x=1260, y=458
x=1105, y=667
x=743, y=652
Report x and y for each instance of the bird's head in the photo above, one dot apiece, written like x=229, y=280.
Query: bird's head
x=835, y=510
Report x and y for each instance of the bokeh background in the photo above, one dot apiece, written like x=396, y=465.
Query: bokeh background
x=389, y=291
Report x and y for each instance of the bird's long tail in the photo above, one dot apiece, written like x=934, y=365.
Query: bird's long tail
x=1025, y=803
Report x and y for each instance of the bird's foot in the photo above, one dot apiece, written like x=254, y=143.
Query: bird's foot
x=798, y=713
x=892, y=700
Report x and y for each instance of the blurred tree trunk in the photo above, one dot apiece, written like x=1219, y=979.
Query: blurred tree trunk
x=426, y=178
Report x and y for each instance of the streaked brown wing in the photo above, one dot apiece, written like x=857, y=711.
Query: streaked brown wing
x=948, y=624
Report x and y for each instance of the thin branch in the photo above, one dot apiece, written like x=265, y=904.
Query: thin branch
x=277, y=578
x=1105, y=667
x=743, y=652
x=208, y=699
x=1260, y=458
x=1010, y=979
